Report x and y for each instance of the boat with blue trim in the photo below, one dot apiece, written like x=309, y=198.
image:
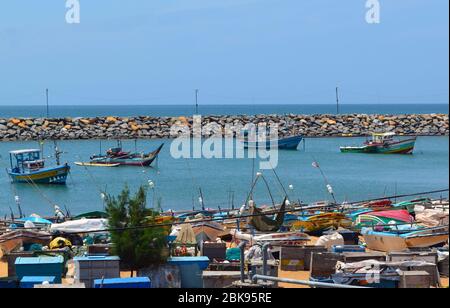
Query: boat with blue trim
x=287, y=143
x=28, y=166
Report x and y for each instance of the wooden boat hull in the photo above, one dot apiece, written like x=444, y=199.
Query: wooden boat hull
x=419, y=242
x=322, y=222
x=400, y=147
x=16, y=239
x=95, y=164
x=386, y=242
x=131, y=160
x=57, y=175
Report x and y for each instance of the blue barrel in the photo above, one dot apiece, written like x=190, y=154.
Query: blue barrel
x=191, y=270
x=123, y=283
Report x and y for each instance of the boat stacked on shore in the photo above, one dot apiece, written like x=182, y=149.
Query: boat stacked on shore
x=275, y=235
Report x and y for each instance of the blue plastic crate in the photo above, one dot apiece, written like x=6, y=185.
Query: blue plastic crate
x=28, y=282
x=40, y=266
x=123, y=283
x=347, y=248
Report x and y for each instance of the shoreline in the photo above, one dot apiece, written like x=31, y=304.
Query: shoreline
x=148, y=127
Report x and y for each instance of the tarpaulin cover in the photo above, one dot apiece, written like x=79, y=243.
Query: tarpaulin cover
x=82, y=225
x=401, y=215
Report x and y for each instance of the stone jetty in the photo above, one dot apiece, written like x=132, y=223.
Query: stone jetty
x=148, y=127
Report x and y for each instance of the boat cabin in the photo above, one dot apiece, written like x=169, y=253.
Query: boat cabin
x=381, y=138
x=26, y=160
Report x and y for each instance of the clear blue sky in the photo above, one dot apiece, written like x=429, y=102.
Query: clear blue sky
x=234, y=51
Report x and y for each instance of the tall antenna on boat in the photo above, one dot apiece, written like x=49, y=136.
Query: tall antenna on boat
x=17, y=200
x=232, y=200
x=253, y=176
x=337, y=100
x=202, y=201
x=57, y=153
x=46, y=96
x=11, y=213
x=196, y=101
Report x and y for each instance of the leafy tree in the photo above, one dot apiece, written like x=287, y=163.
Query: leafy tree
x=137, y=246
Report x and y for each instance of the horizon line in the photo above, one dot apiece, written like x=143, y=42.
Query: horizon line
x=179, y=104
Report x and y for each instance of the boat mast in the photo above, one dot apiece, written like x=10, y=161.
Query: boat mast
x=201, y=198
x=46, y=96
x=196, y=101
x=337, y=100
x=57, y=153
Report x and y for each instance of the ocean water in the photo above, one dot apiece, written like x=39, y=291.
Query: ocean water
x=187, y=110
x=353, y=176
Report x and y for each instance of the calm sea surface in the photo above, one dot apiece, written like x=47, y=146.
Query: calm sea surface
x=187, y=110
x=353, y=176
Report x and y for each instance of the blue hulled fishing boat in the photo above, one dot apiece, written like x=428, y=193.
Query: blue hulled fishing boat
x=288, y=143
x=28, y=166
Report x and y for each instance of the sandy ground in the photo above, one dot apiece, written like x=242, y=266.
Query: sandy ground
x=301, y=275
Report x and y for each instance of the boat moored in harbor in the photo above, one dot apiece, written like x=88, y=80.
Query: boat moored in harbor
x=384, y=143
x=28, y=166
x=257, y=142
x=117, y=157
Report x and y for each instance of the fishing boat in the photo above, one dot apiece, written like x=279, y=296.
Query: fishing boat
x=14, y=239
x=293, y=238
x=287, y=143
x=28, y=166
x=384, y=143
x=383, y=218
x=207, y=231
x=116, y=156
x=96, y=165
x=321, y=222
x=400, y=240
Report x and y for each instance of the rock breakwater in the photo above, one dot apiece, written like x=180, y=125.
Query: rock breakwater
x=147, y=127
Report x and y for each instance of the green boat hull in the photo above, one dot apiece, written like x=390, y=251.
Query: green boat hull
x=401, y=147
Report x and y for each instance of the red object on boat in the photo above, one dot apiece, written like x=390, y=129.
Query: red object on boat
x=381, y=203
x=400, y=215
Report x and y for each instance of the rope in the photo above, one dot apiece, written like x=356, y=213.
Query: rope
x=92, y=178
x=34, y=185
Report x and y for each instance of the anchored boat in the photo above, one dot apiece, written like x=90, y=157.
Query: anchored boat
x=384, y=143
x=28, y=166
x=288, y=143
x=117, y=157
